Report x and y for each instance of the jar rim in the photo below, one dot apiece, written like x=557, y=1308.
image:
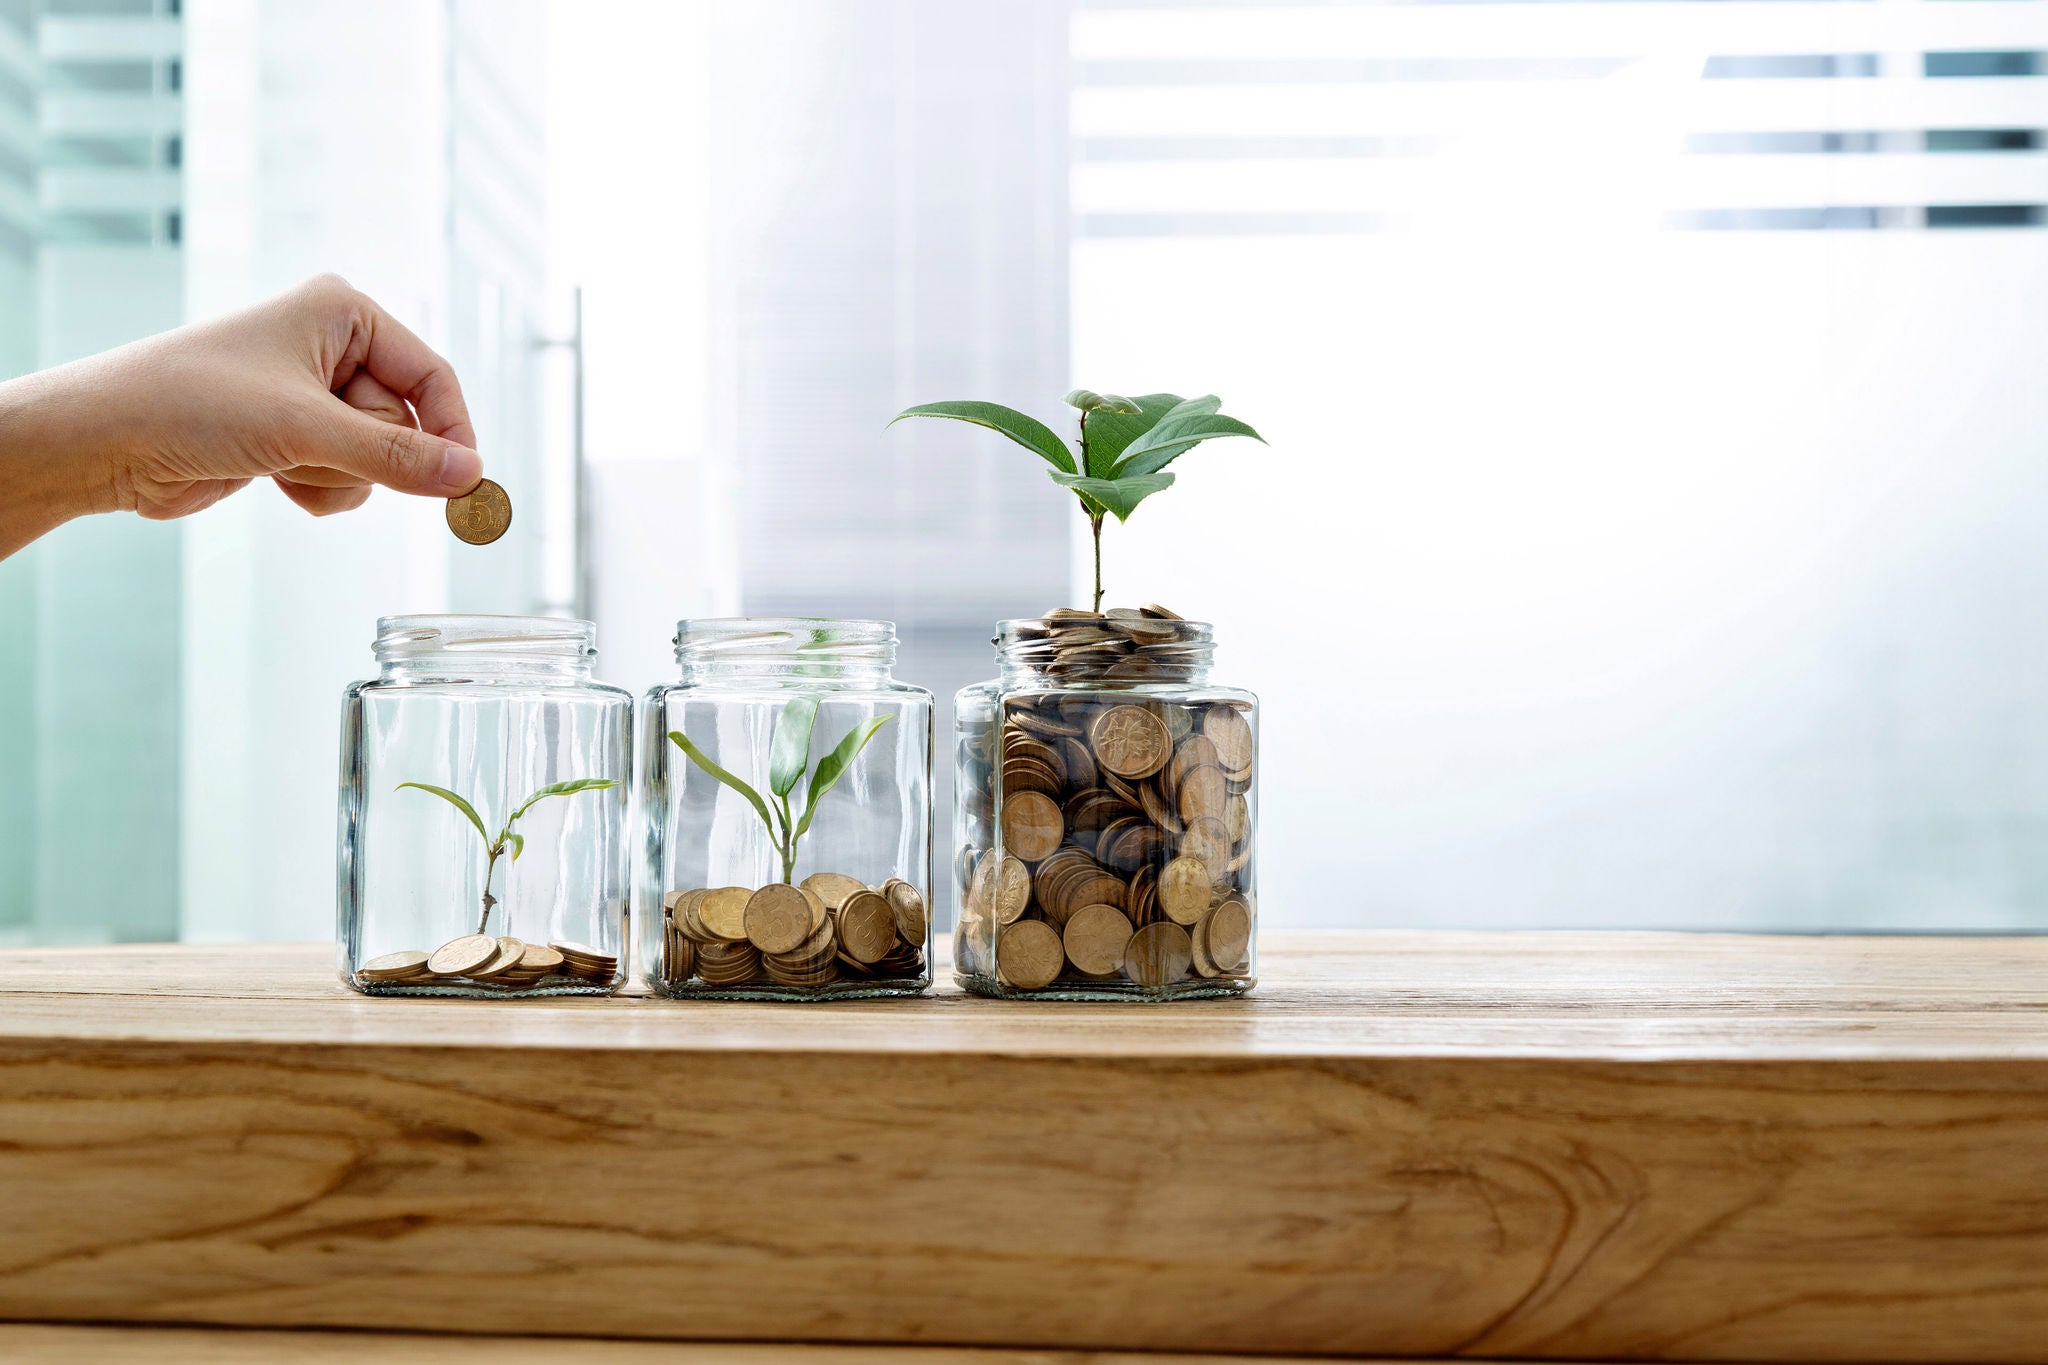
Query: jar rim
x=464, y=634
x=818, y=639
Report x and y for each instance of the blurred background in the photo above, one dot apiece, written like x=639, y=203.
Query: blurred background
x=1650, y=534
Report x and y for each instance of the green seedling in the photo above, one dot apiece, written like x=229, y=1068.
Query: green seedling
x=1125, y=445
x=507, y=837
x=789, y=757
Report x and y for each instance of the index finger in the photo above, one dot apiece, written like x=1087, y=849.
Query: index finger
x=409, y=367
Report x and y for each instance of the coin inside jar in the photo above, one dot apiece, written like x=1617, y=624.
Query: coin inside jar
x=461, y=956
x=1130, y=742
x=777, y=918
x=481, y=515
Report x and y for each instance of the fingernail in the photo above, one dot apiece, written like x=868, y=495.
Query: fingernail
x=461, y=468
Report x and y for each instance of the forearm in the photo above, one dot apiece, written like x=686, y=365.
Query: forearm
x=51, y=467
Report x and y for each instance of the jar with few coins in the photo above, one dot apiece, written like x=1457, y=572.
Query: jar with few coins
x=785, y=790
x=1106, y=813
x=485, y=784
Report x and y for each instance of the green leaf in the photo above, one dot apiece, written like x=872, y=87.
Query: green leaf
x=1108, y=434
x=452, y=799
x=1177, y=433
x=1089, y=401
x=790, y=751
x=518, y=843
x=833, y=766
x=703, y=760
x=1120, y=496
x=1026, y=431
x=569, y=788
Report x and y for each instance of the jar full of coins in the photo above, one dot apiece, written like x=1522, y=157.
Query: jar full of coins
x=786, y=791
x=483, y=846
x=1105, y=817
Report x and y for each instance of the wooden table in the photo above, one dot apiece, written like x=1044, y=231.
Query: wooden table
x=1537, y=1146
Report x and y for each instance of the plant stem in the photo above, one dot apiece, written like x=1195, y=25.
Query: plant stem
x=1095, y=526
x=490, y=870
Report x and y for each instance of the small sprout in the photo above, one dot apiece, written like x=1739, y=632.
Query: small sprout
x=789, y=754
x=1125, y=443
x=507, y=838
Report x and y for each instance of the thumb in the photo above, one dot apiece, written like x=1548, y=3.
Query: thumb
x=400, y=457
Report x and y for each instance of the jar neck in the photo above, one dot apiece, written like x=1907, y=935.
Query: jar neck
x=1128, y=649
x=786, y=651
x=483, y=648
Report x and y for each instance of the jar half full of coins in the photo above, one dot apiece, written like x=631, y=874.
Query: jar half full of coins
x=1106, y=814
x=786, y=793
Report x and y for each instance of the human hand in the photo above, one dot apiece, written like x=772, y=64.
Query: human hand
x=319, y=389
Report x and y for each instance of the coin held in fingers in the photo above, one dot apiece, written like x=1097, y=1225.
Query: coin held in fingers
x=481, y=515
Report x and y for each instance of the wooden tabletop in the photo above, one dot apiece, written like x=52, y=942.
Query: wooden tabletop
x=1537, y=1146
x=1586, y=995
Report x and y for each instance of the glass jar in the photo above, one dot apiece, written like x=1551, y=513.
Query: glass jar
x=484, y=844
x=1106, y=814
x=786, y=794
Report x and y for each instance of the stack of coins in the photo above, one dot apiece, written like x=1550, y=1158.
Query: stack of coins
x=801, y=938
x=1109, y=830
x=583, y=961
x=410, y=965
x=1135, y=644
x=501, y=961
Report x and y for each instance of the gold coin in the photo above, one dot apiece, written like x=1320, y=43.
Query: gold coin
x=1032, y=825
x=1207, y=839
x=724, y=913
x=1184, y=889
x=1237, y=818
x=1158, y=955
x=461, y=956
x=395, y=966
x=510, y=950
x=912, y=919
x=819, y=914
x=1203, y=791
x=1029, y=955
x=1095, y=939
x=1227, y=729
x=777, y=918
x=867, y=927
x=481, y=515
x=832, y=887
x=539, y=960
x=1002, y=887
x=1130, y=742
x=1227, y=934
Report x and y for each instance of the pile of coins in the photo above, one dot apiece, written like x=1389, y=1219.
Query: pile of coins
x=831, y=928
x=500, y=961
x=1120, y=853
x=1148, y=644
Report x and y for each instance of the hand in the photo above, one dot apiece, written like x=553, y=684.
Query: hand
x=319, y=390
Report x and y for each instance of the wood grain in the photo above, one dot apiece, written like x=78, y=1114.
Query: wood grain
x=47, y=1345
x=1539, y=1146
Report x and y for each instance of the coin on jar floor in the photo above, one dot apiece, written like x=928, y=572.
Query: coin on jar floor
x=481, y=515
x=1158, y=955
x=1032, y=825
x=724, y=912
x=1029, y=955
x=404, y=966
x=907, y=901
x=1228, y=935
x=461, y=956
x=1184, y=889
x=833, y=887
x=1095, y=939
x=867, y=927
x=510, y=950
x=777, y=918
x=1129, y=741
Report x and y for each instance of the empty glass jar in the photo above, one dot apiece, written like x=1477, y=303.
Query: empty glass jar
x=484, y=846
x=786, y=790
x=1107, y=807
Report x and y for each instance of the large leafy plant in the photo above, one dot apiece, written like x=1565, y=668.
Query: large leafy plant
x=789, y=757
x=507, y=839
x=1125, y=445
